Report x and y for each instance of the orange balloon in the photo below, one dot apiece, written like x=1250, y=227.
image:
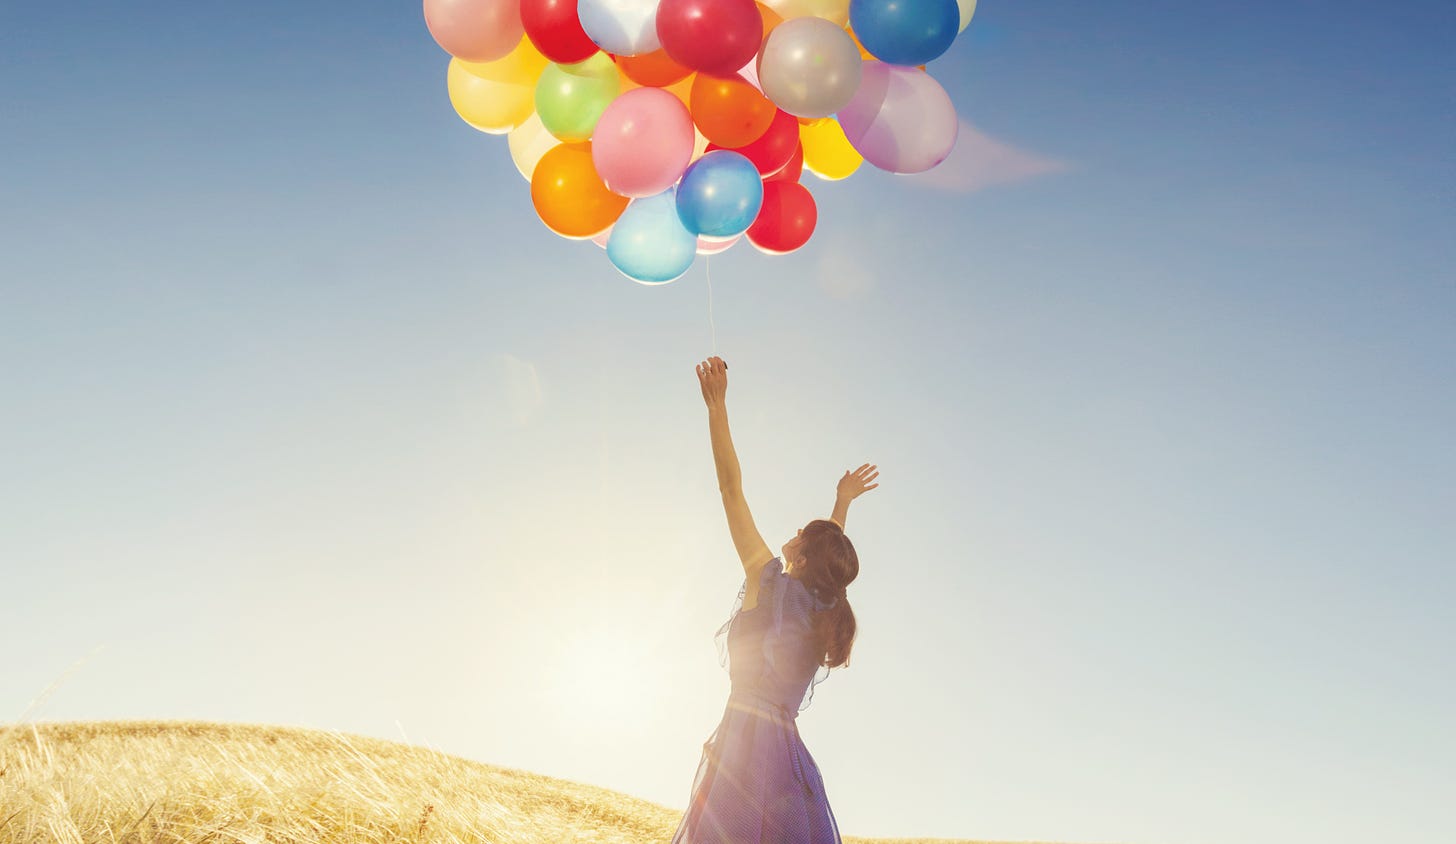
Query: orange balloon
x=569, y=195
x=771, y=18
x=730, y=112
x=654, y=68
x=682, y=89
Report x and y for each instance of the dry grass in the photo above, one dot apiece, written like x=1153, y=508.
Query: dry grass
x=127, y=782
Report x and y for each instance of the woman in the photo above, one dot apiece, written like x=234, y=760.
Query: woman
x=757, y=783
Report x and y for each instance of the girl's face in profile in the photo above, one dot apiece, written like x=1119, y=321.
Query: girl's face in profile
x=790, y=552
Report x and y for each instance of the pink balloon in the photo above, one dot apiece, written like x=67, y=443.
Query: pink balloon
x=475, y=30
x=900, y=119
x=750, y=72
x=713, y=247
x=643, y=142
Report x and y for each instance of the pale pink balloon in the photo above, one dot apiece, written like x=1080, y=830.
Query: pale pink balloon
x=643, y=142
x=900, y=119
x=750, y=72
x=708, y=246
x=601, y=239
x=475, y=30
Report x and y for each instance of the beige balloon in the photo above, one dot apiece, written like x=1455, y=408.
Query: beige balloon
x=809, y=67
x=529, y=142
x=968, y=8
x=830, y=10
x=700, y=145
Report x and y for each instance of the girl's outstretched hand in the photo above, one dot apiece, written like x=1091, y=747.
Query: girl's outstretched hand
x=853, y=484
x=713, y=378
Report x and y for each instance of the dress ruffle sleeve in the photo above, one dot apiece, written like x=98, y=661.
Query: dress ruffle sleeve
x=786, y=604
x=786, y=599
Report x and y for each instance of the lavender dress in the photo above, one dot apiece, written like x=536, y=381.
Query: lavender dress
x=756, y=782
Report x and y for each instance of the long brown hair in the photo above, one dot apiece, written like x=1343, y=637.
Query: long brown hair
x=829, y=565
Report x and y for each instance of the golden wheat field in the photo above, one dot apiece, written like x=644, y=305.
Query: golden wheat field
x=127, y=782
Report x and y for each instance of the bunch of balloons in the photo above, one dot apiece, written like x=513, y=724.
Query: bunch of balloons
x=666, y=129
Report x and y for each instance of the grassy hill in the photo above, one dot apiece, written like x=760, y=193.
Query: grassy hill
x=185, y=781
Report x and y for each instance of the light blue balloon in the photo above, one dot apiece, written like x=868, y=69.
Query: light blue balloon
x=648, y=242
x=905, y=33
x=720, y=194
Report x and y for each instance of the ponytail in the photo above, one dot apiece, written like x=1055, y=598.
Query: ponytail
x=831, y=564
x=835, y=627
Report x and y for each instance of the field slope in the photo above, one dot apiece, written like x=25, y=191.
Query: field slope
x=125, y=782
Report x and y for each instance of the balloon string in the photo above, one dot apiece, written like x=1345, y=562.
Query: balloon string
x=708, y=263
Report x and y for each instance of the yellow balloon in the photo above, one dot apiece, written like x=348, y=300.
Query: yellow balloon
x=827, y=153
x=683, y=89
x=498, y=96
x=833, y=10
x=625, y=83
x=968, y=8
x=528, y=142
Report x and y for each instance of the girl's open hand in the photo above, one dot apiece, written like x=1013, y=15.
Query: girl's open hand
x=853, y=484
x=713, y=378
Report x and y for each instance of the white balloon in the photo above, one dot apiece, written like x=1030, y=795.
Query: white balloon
x=809, y=67
x=968, y=8
x=621, y=27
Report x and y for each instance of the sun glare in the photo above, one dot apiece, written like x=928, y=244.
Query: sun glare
x=606, y=680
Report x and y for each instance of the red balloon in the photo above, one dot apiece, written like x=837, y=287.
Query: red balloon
x=786, y=219
x=717, y=37
x=792, y=171
x=775, y=146
x=556, y=32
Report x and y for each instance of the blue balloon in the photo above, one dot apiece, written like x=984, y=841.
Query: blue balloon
x=720, y=194
x=905, y=32
x=648, y=242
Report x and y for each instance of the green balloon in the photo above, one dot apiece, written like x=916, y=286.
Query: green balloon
x=571, y=97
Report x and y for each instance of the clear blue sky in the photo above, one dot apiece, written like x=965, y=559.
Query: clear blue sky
x=308, y=420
